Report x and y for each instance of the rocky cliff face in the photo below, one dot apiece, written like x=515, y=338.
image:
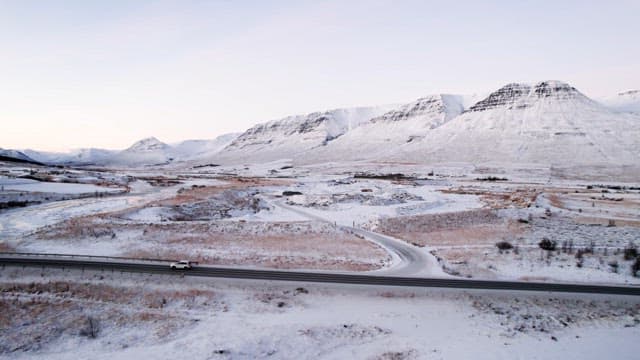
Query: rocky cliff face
x=288, y=137
x=435, y=110
x=546, y=123
x=508, y=95
x=523, y=95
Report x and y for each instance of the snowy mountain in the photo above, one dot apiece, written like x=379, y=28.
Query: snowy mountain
x=85, y=156
x=405, y=124
x=15, y=155
x=626, y=101
x=149, y=151
x=147, y=145
x=197, y=149
x=285, y=138
x=550, y=122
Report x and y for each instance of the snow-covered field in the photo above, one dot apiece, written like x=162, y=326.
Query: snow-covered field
x=590, y=243
x=59, y=314
x=316, y=217
x=395, y=219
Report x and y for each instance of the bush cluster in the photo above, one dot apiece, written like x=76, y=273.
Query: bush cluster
x=504, y=245
x=547, y=244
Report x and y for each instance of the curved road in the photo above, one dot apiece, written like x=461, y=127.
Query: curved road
x=156, y=267
x=408, y=260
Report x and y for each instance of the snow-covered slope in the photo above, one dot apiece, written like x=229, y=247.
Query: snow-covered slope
x=626, y=101
x=293, y=135
x=16, y=155
x=405, y=124
x=550, y=122
x=149, y=151
x=87, y=156
x=198, y=149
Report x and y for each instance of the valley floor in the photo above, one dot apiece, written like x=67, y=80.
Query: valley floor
x=392, y=219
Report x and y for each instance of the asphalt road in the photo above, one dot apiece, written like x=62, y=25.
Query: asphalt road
x=308, y=277
x=412, y=261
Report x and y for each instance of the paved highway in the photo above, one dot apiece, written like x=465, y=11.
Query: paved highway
x=130, y=265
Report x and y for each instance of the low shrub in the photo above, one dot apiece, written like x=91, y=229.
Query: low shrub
x=504, y=245
x=630, y=252
x=547, y=244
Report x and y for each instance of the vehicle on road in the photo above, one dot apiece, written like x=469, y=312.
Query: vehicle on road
x=182, y=265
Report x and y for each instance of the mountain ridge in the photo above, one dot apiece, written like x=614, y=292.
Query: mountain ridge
x=548, y=122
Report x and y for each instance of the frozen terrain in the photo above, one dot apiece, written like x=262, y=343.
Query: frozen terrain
x=533, y=182
x=56, y=314
x=444, y=221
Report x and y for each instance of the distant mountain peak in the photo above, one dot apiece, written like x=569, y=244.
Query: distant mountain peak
x=517, y=95
x=148, y=144
x=15, y=155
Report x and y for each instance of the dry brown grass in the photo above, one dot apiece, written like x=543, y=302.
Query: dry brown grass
x=149, y=298
x=594, y=207
x=474, y=227
x=277, y=244
x=590, y=220
x=195, y=194
x=36, y=314
x=270, y=261
x=470, y=235
x=555, y=201
x=520, y=197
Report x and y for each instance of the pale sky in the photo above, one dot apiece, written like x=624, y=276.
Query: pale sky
x=91, y=73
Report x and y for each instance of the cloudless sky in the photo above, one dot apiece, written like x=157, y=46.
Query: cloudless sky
x=107, y=73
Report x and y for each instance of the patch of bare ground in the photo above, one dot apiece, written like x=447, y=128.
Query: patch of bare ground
x=459, y=240
x=501, y=198
x=199, y=193
x=275, y=245
x=151, y=298
x=621, y=173
x=308, y=245
x=161, y=181
x=473, y=227
x=597, y=207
